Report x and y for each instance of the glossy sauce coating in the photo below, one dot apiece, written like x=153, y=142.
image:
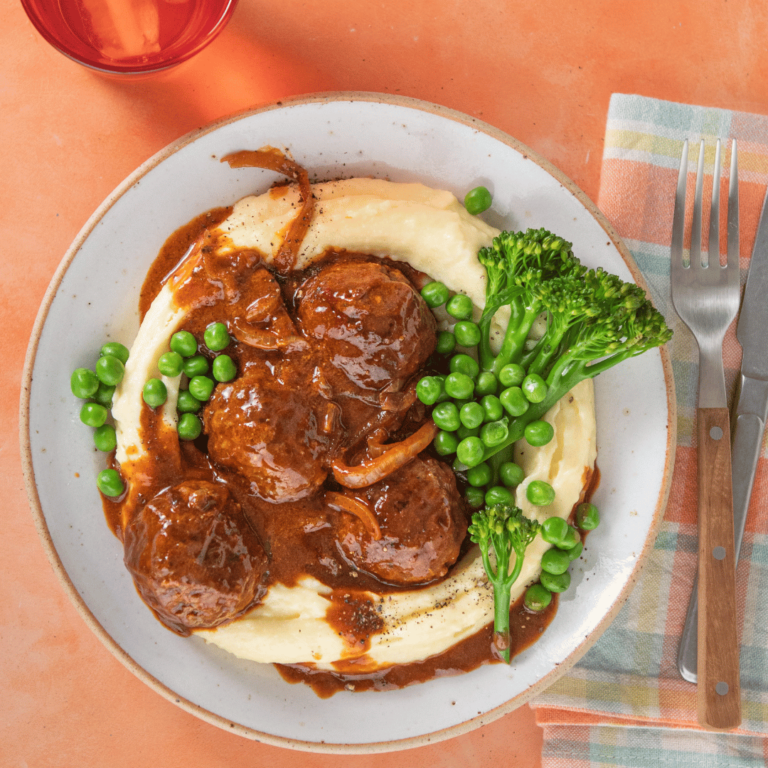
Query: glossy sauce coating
x=327, y=362
x=525, y=629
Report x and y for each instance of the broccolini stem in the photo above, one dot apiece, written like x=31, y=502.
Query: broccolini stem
x=520, y=322
x=532, y=354
x=485, y=354
x=501, y=595
x=545, y=351
x=594, y=369
x=517, y=426
x=501, y=601
x=495, y=461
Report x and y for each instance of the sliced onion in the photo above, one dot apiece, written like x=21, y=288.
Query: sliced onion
x=397, y=455
x=260, y=338
x=357, y=508
x=274, y=160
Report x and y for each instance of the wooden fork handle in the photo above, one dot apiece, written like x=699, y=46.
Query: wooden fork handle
x=718, y=692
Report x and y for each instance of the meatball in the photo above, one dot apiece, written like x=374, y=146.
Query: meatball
x=194, y=558
x=422, y=521
x=371, y=321
x=267, y=426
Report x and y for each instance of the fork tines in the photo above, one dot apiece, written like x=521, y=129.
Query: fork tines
x=678, y=222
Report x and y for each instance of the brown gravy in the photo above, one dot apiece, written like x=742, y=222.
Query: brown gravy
x=525, y=629
x=301, y=539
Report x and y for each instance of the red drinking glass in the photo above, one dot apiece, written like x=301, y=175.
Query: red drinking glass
x=129, y=36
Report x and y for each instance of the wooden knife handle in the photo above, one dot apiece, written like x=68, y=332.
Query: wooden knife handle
x=718, y=692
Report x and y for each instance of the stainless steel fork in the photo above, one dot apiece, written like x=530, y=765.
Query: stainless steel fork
x=706, y=297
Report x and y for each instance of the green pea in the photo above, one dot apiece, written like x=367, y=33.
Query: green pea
x=511, y=474
x=537, y=598
x=514, y=401
x=189, y=427
x=446, y=416
x=429, y=389
x=446, y=343
x=224, y=368
x=554, y=530
x=494, y=433
x=104, y=394
x=170, y=364
x=459, y=306
x=184, y=343
x=498, y=495
x=201, y=387
x=155, y=393
x=539, y=432
x=555, y=561
x=443, y=394
x=478, y=200
x=491, y=408
x=216, y=337
x=435, y=294
x=446, y=443
x=534, y=388
x=465, y=364
x=187, y=403
x=480, y=475
x=116, y=349
x=467, y=333
x=83, y=383
x=570, y=540
x=555, y=583
x=575, y=552
x=105, y=438
x=463, y=431
x=93, y=414
x=459, y=385
x=458, y=466
x=540, y=493
x=110, y=370
x=486, y=384
x=511, y=375
x=110, y=483
x=470, y=451
x=475, y=497
x=196, y=366
x=471, y=415
x=587, y=516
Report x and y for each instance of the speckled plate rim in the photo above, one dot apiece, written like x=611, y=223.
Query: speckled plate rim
x=88, y=616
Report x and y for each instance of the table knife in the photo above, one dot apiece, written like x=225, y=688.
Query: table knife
x=748, y=417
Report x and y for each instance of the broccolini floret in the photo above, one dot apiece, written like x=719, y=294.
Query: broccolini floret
x=594, y=319
x=503, y=529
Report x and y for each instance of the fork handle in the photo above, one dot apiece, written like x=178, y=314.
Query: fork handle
x=718, y=691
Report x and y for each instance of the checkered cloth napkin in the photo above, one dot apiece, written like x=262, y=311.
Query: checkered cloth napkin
x=624, y=703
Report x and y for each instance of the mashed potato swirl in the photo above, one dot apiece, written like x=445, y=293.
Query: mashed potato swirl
x=430, y=230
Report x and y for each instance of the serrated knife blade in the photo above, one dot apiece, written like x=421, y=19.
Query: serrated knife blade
x=748, y=417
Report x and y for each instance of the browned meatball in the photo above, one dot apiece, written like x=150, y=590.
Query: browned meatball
x=374, y=325
x=194, y=558
x=267, y=426
x=422, y=521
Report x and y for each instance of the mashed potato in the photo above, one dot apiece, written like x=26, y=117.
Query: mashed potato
x=431, y=231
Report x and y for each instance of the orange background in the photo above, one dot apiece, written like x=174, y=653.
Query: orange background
x=542, y=71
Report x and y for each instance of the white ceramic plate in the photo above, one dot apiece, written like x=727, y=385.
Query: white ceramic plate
x=93, y=297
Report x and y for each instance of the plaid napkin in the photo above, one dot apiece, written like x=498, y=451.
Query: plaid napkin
x=625, y=704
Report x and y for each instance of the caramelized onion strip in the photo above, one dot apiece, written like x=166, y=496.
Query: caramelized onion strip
x=397, y=455
x=376, y=445
x=269, y=340
x=357, y=508
x=274, y=160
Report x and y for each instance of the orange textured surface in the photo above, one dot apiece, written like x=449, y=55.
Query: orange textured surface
x=543, y=72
